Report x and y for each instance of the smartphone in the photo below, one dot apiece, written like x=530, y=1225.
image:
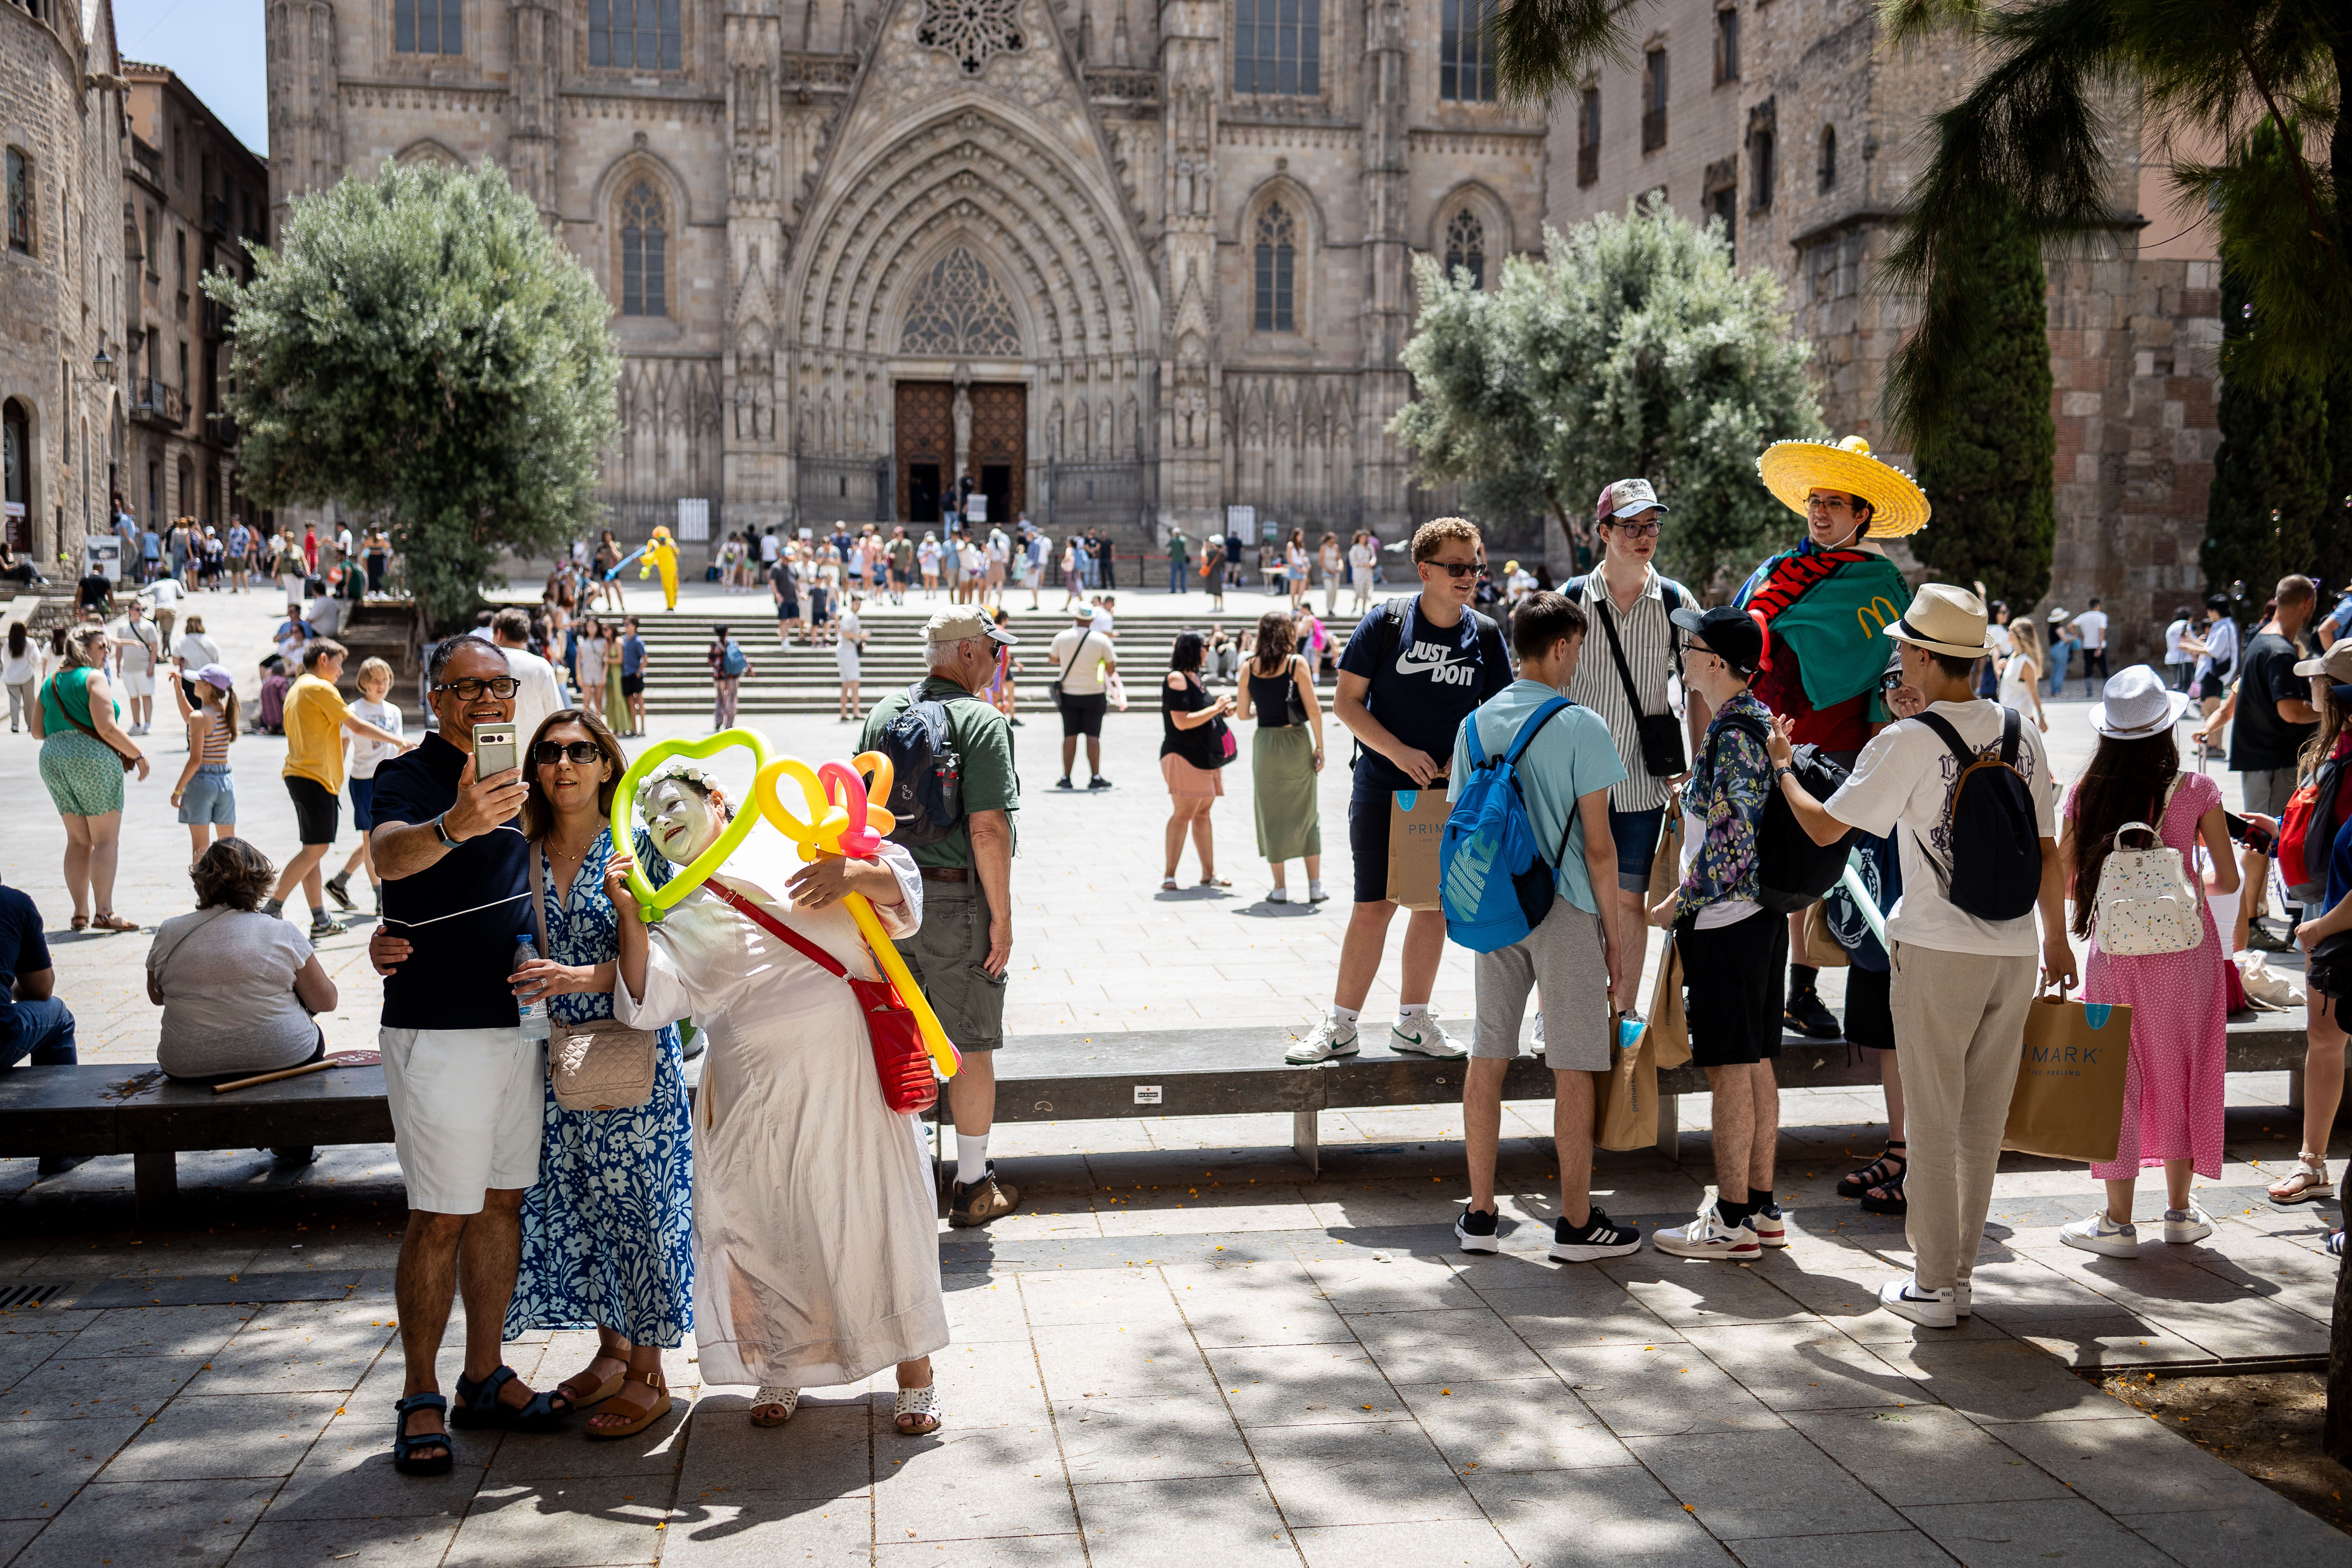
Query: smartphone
x=494, y=750
x=2246, y=833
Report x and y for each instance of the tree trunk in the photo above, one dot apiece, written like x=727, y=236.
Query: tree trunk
x=2336, y=1435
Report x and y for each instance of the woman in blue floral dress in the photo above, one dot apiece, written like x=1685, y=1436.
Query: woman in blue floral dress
x=607, y=1233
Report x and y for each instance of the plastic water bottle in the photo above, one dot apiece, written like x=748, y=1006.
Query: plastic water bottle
x=532, y=1015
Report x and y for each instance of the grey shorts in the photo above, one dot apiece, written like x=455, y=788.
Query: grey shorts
x=2267, y=790
x=947, y=957
x=1564, y=960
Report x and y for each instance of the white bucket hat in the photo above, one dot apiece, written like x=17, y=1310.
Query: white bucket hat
x=2137, y=706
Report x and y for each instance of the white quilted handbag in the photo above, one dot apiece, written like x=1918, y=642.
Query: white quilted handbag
x=2147, y=902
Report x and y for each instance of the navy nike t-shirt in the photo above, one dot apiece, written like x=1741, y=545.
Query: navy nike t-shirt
x=1437, y=677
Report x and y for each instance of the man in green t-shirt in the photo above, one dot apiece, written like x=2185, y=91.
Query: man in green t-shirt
x=1178, y=555
x=960, y=953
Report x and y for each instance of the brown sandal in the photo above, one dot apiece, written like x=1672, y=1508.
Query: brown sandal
x=109, y=921
x=82, y=922
x=638, y=1422
x=583, y=1391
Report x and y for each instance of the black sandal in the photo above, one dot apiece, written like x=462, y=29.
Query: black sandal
x=478, y=1405
x=1887, y=1198
x=1885, y=1170
x=405, y=1447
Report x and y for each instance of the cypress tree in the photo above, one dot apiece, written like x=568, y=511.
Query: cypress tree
x=2265, y=515
x=1988, y=469
x=2331, y=536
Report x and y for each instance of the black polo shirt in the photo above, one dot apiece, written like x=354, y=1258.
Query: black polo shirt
x=456, y=975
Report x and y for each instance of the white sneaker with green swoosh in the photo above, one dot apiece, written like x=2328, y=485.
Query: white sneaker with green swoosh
x=1428, y=1037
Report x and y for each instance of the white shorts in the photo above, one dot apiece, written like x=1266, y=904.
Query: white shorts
x=138, y=685
x=845, y=659
x=467, y=1106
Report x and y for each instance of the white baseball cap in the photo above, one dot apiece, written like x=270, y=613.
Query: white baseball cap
x=1623, y=497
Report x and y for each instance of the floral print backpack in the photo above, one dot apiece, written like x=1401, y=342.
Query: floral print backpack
x=2147, y=901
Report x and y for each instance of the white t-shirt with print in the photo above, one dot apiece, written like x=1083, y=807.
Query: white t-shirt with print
x=1904, y=777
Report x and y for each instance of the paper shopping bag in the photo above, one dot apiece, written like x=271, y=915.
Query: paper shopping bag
x=2069, y=1100
x=1416, y=821
x=1625, y=1101
x=1669, y=1032
x=1822, y=949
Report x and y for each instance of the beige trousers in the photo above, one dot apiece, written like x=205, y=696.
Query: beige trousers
x=1959, y=1030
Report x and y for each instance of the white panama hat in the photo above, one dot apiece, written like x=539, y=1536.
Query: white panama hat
x=2136, y=705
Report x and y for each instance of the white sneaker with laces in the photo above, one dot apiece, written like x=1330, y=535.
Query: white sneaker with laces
x=2184, y=1226
x=1929, y=1308
x=1428, y=1038
x=1772, y=1227
x=1330, y=1038
x=1708, y=1237
x=1963, y=1300
x=2103, y=1236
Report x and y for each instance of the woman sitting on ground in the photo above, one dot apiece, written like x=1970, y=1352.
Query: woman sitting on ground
x=237, y=987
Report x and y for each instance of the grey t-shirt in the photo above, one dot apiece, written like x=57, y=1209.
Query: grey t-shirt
x=227, y=980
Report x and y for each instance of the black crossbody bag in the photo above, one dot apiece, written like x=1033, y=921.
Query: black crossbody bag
x=1661, y=734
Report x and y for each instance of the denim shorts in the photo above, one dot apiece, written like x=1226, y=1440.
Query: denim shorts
x=362, y=802
x=210, y=798
x=1636, y=833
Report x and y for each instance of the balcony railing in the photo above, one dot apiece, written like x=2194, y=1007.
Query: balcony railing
x=1654, y=130
x=157, y=403
x=221, y=428
x=1588, y=164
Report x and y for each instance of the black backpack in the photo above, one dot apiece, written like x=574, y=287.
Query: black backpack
x=1996, y=869
x=926, y=769
x=1793, y=872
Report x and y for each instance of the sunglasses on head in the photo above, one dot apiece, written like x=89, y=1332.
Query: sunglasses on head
x=1457, y=569
x=468, y=687
x=581, y=751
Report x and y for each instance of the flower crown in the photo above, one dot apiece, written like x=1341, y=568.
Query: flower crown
x=685, y=772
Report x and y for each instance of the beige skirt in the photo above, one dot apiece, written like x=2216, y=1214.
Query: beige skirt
x=1186, y=782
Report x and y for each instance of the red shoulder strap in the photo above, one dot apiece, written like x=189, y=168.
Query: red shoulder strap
x=777, y=929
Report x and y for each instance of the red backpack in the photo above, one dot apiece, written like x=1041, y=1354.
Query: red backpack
x=2312, y=804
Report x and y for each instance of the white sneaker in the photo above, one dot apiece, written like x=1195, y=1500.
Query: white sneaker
x=2103, y=1236
x=1963, y=1300
x=1428, y=1037
x=1330, y=1038
x=1279, y=896
x=2184, y=1226
x=1772, y=1227
x=1929, y=1308
x=1539, y=1034
x=1708, y=1237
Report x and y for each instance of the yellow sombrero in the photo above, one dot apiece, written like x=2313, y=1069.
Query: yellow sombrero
x=1794, y=469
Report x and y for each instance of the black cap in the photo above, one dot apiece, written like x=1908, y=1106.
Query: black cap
x=1731, y=635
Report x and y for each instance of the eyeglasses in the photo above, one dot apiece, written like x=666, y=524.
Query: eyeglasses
x=581, y=751
x=468, y=687
x=1634, y=530
x=1457, y=569
x=1828, y=503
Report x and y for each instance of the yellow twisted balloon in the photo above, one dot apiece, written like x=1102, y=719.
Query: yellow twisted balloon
x=842, y=820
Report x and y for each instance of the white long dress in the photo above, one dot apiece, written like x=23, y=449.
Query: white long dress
x=815, y=1233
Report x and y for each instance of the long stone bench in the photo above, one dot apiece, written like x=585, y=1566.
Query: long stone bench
x=121, y=1109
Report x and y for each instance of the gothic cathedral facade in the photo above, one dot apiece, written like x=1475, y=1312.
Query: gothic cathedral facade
x=1121, y=266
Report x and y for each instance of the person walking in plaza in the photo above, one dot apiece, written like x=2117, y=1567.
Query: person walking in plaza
x=2328, y=860
x=376, y=706
x=316, y=719
x=2020, y=674
x=1963, y=962
x=729, y=664
x=785, y=588
x=961, y=954
x=2215, y=646
x=2270, y=719
x=206, y=794
x=2179, y=1018
x=1572, y=956
x=1294, y=565
x=1331, y=565
x=1286, y=755
x=594, y=650
x=1194, y=746
x=1363, y=553
x=2064, y=637
x=464, y=1085
x=1410, y=674
x=195, y=650
x=240, y=990
x=22, y=668
x=1086, y=660
x=2090, y=626
x=84, y=754
x=1732, y=948
x=848, y=659
x=140, y=653
x=2177, y=660
x=1628, y=605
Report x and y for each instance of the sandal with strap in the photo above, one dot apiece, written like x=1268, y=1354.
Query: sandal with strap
x=923, y=1404
x=478, y=1406
x=405, y=1447
x=785, y=1399
x=633, y=1424
x=1887, y=1198
x=1887, y=1168
x=107, y=919
x=2308, y=1180
x=593, y=1392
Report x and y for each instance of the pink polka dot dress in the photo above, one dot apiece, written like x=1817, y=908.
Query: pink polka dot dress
x=2172, y=1086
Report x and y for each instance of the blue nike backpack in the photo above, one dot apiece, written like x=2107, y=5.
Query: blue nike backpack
x=1494, y=883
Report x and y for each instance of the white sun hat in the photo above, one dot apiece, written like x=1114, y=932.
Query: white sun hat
x=2138, y=705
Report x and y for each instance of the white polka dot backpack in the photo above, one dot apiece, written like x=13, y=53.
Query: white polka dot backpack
x=2147, y=901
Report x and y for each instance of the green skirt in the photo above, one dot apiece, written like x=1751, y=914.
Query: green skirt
x=1282, y=784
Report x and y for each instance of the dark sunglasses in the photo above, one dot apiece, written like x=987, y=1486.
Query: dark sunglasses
x=468, y=687
x=581, y=751
x=1457, y=569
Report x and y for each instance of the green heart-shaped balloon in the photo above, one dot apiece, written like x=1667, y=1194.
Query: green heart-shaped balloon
x=650, y=899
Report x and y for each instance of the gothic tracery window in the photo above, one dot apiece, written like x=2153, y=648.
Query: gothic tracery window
x=1465, y=55
x=1466, y=248
x=640, y=35
x=20, y=200
x=645, y=252
x=971, y=30
x=959, y=309
x=1277, y=257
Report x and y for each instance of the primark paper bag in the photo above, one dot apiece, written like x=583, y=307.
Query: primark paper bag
x=2069, y=1100
x=1416, y=820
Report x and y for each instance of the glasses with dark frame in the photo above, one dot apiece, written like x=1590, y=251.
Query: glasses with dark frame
x=1634, y=530
x=581, y=751
x=468, y=687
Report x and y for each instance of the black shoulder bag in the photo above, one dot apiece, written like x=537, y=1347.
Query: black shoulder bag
x=1661, y=734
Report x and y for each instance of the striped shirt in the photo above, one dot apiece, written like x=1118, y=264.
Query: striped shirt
x=216, y=739
x=1651, y=645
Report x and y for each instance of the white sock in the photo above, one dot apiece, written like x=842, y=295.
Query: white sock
x=971, y=1157
x=1409, y=1015
x=1346, y=1017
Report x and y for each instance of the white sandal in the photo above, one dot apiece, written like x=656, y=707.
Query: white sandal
x=788, y=1399
x=2308, y=1180
x=920, y=1402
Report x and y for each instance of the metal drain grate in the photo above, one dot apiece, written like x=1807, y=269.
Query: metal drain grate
x=31, y=1295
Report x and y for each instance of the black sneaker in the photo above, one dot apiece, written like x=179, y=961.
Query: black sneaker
x=1600, y=1237
x=1475, y=1229
x=1098, y=782
x=321, y=928
x=1062, y=783
x=2261, y=939
x=1807, y=1016
x=339, y=888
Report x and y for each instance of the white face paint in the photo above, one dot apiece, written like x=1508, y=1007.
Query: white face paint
x=681, y=822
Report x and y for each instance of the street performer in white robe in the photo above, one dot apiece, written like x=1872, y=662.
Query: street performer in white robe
x=815, y=1235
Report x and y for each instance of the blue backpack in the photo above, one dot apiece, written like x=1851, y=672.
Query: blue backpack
x=1493, y=881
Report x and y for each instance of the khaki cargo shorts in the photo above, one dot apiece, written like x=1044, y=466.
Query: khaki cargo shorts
x=948, y=958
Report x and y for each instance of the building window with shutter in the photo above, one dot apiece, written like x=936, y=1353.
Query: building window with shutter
x=645, y=259
x=1588, y=137
x=1466, y=248
x=1278, y=46
x=634, y=34
x=428, y=27
x=1277, y=257
x=1653, y=101
x=1465, y=54
x=20, y=201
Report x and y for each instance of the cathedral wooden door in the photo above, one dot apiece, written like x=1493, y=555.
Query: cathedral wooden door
x=926, y=448
x=1000, y=447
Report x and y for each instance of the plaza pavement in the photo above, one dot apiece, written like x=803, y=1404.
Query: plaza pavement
x=1180, y=1346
